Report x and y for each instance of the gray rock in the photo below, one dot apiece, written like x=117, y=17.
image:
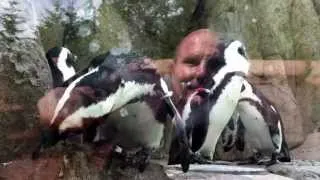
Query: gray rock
x=24, y=78
x=222, y=172
x=272, y=29
x=299, y=170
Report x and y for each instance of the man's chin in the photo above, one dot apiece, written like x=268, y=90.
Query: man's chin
x=196, y=98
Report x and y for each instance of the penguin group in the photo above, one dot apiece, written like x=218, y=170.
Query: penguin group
x=232, y=107
x=114, y=84
x=121, y=98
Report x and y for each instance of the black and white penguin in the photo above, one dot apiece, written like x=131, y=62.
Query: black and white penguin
x=61, y=62
x=206, y=121
x=92, y=97
x=264, y=131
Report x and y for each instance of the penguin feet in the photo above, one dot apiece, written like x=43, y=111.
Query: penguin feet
x=267, y=161
x=140, y=159
x=143, y=158
x=198, y=159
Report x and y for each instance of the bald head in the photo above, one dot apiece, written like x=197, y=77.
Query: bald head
x=192, y=54
x=197, y=42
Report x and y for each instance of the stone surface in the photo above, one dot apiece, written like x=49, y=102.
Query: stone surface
x=222, y=172
x=24, y=76
x=298, y=170
x=274, y=29
x=310, y=149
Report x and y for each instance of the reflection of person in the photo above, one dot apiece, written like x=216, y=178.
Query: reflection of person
x=189, y=67
x=191, y=57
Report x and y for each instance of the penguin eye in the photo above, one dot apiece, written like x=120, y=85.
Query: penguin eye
x=241, y=51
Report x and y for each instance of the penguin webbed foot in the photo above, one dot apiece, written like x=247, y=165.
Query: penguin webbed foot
x=284, y=159
x=266, y=161
x=198, y=159
x=143, y=158
x=140, y=159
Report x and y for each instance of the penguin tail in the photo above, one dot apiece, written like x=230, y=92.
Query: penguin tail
x=48, y=138
x=284, y=155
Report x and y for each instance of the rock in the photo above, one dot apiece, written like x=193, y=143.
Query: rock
x=74, y=164
x=222, y=172
x=310, y=149
x=271, y=29
x=24, y=77
x=298, y=170
x=23, y=169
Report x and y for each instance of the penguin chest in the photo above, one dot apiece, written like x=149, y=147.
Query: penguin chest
x=135, y=125
x=257, y=132
x=220, y=113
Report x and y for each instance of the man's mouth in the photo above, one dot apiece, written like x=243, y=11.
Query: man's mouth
x=193, y=86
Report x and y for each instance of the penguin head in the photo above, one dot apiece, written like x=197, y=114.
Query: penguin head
x=70, y=59
x=61, y=62
x=61, y=55
x=235, y=56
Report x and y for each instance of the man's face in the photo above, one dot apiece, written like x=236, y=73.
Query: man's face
x=191, y=60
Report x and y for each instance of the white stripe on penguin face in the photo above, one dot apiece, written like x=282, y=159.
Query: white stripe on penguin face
x=66, y=71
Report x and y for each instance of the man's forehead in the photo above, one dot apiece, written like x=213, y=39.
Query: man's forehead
x=196, y=49
x=199, y=43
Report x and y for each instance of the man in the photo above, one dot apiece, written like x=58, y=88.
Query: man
x=191, y=57
x=188, y=69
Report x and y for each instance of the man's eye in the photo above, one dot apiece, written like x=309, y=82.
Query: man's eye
x=192, y=62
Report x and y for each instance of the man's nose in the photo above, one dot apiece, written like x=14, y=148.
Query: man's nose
x=201, y=71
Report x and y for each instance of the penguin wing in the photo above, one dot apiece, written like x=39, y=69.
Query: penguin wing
x=197, y=124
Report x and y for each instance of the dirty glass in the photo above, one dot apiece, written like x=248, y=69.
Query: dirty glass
x=281, y=40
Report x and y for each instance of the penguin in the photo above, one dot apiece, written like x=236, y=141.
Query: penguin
x=205, y=121
x=264, y=131
x=61, y=62
x=114, y=58
x=233, y=134
x=90, y=99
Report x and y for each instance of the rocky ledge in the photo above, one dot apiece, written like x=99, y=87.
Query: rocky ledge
x=80, y=165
